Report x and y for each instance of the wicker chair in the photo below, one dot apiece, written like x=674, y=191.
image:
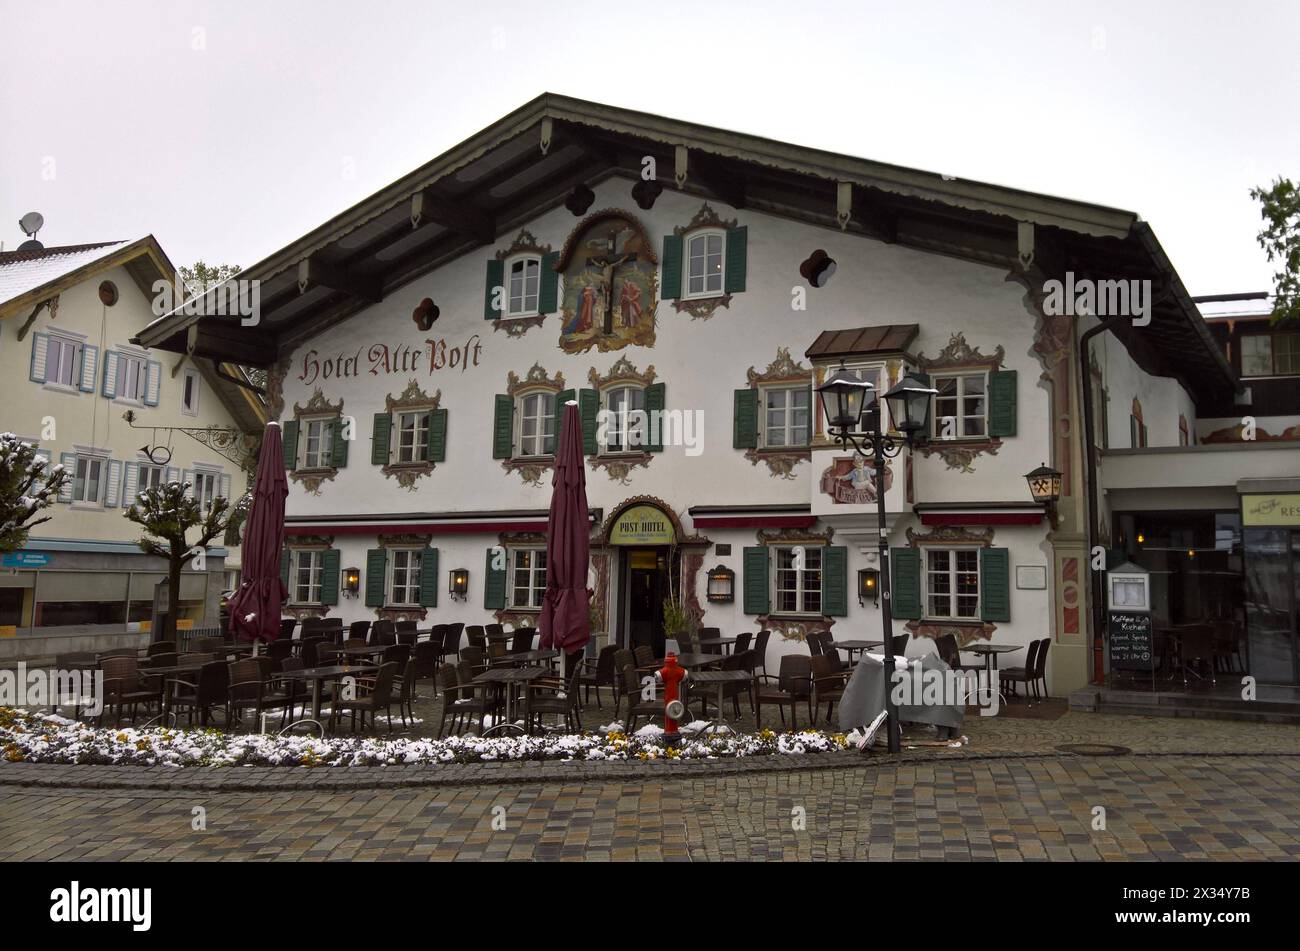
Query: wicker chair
x=405, y=687
x=451, y=639
x=828, y=682
x=1023, y=675
x=425, y=656
x=377, y=697
x=553, y=697
x=636, y=707
x=206, y=690
x=742, y=642
x=760, y=650
x=461, y=698
x=787, y=689
x=287, y=625
x=707, y=633
x=645, y=659
x=247, y=687
x=476, y=636
x=522, y=641
x=161, y=647
x=122, y=686
x=599, y=672
x=358, y=630
x=475, y=657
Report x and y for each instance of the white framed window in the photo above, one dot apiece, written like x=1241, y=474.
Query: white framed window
x=705, y=262
x=190, y=393
x=308, y=566
x=952, y=583
x=89, y=478
x=626, y=423
x=404, y=576
x=527, y=577
x=963, y=399
x=798, y=580
x=317, y=437
x=523, y=282
x=786, y=417
x=132, y=377
x=149, y=477
x=536, y=424
x=62, y=367
x=1270, y=354
x=207, y=486
x=412, y=436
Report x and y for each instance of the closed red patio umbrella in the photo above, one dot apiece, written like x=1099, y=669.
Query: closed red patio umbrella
x=565, y=623
x=255, y=607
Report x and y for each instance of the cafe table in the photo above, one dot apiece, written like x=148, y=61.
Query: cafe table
x=527, y=658
x=857, y=647
x=698, y=660
x=720, y=678
x=362, y=650
x=724, y=642
x=318, y=675
x=510, y=678
x=172, y=671
x=990, y=653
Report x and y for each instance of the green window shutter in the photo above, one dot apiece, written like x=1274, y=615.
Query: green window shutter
x=329, y=576
x=589, y=410
x=502, y=426
x=755, y=581
x=376, y=576
x=744, y=424
x=380, y=439
x=496, y=277
x=338, y=445
x=561, y=398
x=284, y=567
x=289, y=436
x=835, y=581
x=672, y=264
x=654, y=408
x=436, y=450
x=494, y=585
x=548, y=293
x=995, y=584
x=429, y=578
x=1002, y=403
x=905, y=583
x=737, y=255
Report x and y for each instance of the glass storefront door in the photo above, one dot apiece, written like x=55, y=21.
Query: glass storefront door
x=1273, y=603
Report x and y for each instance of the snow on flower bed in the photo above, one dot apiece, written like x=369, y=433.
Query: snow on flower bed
x=37, y=738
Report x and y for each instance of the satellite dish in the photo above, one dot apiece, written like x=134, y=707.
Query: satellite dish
x=31, y=223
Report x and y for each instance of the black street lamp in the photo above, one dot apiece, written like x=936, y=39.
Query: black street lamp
x=854, y=418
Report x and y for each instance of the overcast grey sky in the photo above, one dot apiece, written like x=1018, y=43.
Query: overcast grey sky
x=228, y=129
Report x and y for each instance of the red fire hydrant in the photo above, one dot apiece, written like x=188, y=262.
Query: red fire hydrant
x=672, y=676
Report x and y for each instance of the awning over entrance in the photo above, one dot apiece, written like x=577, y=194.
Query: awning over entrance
x=979, y=513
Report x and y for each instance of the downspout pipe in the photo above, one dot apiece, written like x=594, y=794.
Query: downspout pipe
x=1091, y=507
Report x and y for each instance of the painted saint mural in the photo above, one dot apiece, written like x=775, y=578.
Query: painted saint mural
x=853, y=481
x=611, y=285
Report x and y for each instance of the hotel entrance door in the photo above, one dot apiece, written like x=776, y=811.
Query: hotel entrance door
x=647, y=584
x=1273, y=603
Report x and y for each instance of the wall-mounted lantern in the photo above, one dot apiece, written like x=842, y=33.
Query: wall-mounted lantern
x=722, y=585
x=869, y=586
x=351, y=582
x=1045, y=487
x=459, y=586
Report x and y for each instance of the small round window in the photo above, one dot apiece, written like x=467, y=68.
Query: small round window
x=108, y=293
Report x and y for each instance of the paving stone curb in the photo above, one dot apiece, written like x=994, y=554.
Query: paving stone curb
x=298, y=779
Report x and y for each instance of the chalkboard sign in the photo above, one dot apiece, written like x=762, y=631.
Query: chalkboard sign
x=1131, y=644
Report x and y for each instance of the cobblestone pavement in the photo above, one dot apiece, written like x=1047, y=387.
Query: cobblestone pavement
x=1156, y=808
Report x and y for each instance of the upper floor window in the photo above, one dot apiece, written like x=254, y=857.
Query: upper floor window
x=1137, y=432
x=149, y=476
x=132, y=376
x=625, y=425
x=404, y=577
x=88, y=479
x=786, y=416
x=307, y=570
x=207, y=486
x=705, y=264
x=537, y=424
x=61, y=361
x=961, y=406
x=527, y=577
x=318, y=444
x=412, y=436
x=952, y=582
x=523, y=282
x=1270, y=354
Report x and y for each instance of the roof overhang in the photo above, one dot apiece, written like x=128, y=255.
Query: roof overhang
x=143, y=259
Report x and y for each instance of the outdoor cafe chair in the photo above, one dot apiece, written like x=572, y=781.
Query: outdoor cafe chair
x=622, y=658
x=287, y=624
x=945, y=645
x=551, y=696
x=496, y=650
x=280, y=650
x=461, y=699
x=122, y=686
x=636, y=707
x=495, y=631
x=202, y=691
x=291, y=691
x=742, y=642
x=451, y=639
x=899, y=643
x=522, y=641
x=425, y=655
x=311, y=650
x=828, y=683
x=760, y=649
x=66, y=661
x=476, y=657
x=645, y=658
x=814, y=645
x=397, y=654
x=358, y=630
x=707, y=633
x=160, y=647
x=118, y=652
x=354, y=642
x=378, y=696
x=599, y=672
x=202, y=645
x=379, y=630
x=792, y=685
x=476, y=636
x=404, y=685
x=247, y=686
x=1022, y=675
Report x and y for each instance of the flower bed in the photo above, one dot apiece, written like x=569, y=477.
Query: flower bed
x=35, y=738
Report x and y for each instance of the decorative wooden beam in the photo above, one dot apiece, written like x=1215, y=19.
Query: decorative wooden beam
x=713, y=175
x=313, y=272
x=31, y=319
x=428, y=207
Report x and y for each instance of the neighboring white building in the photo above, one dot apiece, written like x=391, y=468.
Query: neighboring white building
x=421, y=347
x=68, y=374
